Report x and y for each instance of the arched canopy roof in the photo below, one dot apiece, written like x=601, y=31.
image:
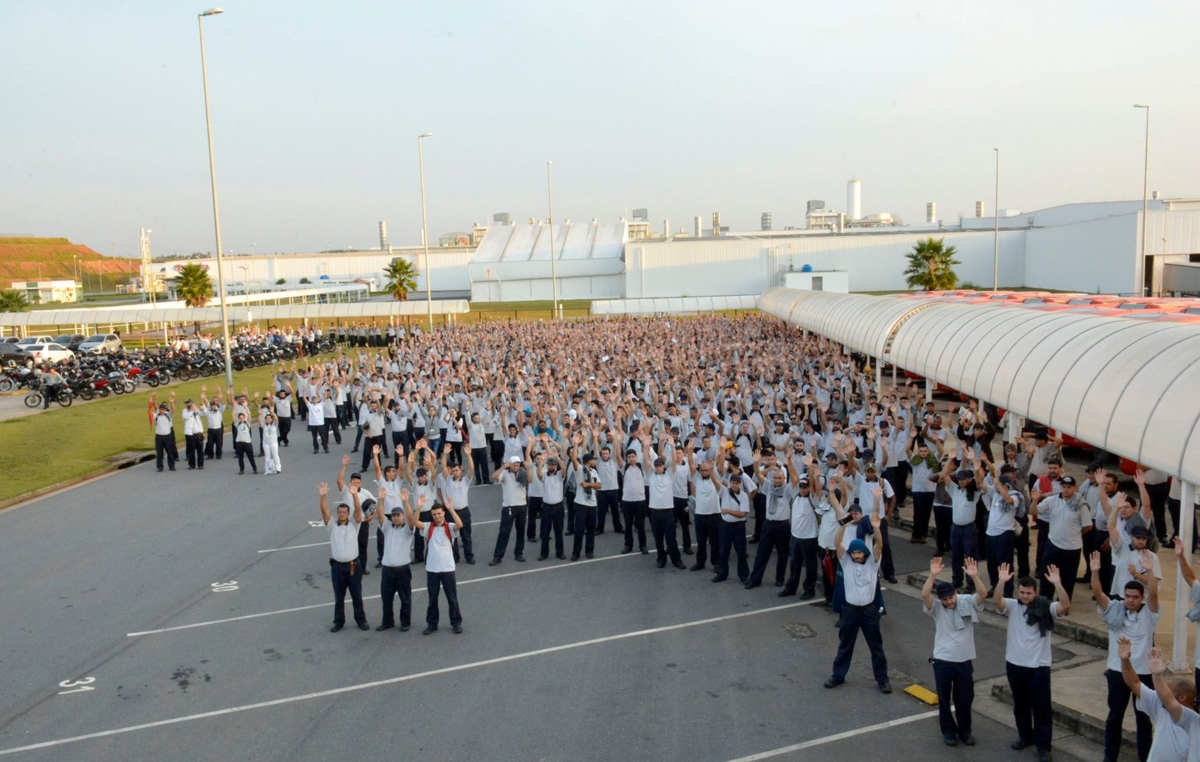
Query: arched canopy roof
x=236, y=313
x=1126, y=386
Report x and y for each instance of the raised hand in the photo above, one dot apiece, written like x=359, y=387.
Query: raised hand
x=972, y=568
x=1100, y=475
x=936, y=566
x=1124, y=648
x=345, y=460
x=374, y=450
x=404, y=495
x=1157, y=663
x=1094, y=563
x=1053, y=576
x=1179, y=546
x=323, y=489
x=1003, y=574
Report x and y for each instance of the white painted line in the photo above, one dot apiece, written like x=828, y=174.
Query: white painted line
x=319, y=544
x=407, y=678
x=835, y=737
x=294, y=547
x=416, y=590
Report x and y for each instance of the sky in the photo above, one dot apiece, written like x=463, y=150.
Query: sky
x=683, y=108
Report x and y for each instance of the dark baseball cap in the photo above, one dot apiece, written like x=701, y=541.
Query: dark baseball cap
x=1068, y=481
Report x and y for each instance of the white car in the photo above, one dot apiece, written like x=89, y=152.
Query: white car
x=101, y=343
x=50, y=352
x=31, y=340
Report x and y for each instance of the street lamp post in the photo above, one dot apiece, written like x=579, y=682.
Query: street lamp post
x=996, y=231
x=425, y=229
x=212, y=172
x=1139, y=271
x=553, y=264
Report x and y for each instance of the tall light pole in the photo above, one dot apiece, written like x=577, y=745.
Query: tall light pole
x=553, y=264
x=1139, y=274
x=425, y=228
x=212, y=172
x=996, y=231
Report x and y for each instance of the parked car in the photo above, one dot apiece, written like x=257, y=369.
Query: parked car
x=10, y=340
x=12, y=353
x=101, y=343
x=70, y=340
x=31, y=340
x=49, y=352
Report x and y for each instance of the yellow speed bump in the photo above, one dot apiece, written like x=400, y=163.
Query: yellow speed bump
x=922, y=694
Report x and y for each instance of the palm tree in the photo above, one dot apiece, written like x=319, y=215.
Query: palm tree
x=401, y=278
x=12, y=300
x=194, y=285
x=931, y=266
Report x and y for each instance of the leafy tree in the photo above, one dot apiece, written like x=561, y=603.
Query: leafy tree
x=401, y=278
x=194, y=285
x=931, y=266
x=305, y=280
x=281, y=281
x=13, y=301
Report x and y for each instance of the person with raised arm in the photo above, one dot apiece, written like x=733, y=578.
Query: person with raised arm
x=860, y=573
x=955, y=616
x=344, y=569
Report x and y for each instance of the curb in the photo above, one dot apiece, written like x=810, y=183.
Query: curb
x=41, y=491
x=1073, y=721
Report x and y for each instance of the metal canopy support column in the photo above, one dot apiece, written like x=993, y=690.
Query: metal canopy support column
x=929, y=386
x=1187, y=517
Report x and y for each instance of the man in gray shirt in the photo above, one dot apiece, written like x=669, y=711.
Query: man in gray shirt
x=955, y=617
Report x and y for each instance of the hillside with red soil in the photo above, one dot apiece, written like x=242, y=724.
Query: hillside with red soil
x=54, y=259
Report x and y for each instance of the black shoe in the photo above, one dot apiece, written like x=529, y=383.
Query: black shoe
x=574, y=557
x=471, y=560
x=589, y=555
x=255, y=470
x=457, y=629
x=494, y=562
x=950, y=740
x=807, y=595
x=696, y=567
x=678, y=564
x=364, y=626
x=366, y=572
x=752, y=541
x=191, y=468
x=201, y=467
x=335, y=628
x=1045, y=756
x=543, y=557
x=240, y=473
x=892, y=580
x=404, y=628
x=429, y=629
x=967, y=738
x=662, y=564
x=719, y=579
x=354, y=451
x=644, y=551
x=688, y=552
x=160, y=470
x=598, y=532
x=520, y=558
x=383, y=627
x=751, y=585
x=569, y=532
x=1020, y=743
x=785, y=593
x=378, y=564
x=315, y=451
x=833, y=682
x=885, y=687
x=626, y=550
x=561, y=557
x=172, y=468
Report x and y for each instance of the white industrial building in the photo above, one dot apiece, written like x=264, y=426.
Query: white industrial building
x=46, y=291
x=516, y=263
x=1090, y=247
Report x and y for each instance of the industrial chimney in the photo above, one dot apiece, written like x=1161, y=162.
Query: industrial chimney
x=980, y=209
x=931, y=213
x=383, y=243
x=699, y=227
x=854, y=200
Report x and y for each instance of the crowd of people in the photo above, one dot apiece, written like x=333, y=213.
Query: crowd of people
x=723, y=434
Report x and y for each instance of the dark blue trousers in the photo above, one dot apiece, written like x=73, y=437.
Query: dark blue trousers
x=733, y=537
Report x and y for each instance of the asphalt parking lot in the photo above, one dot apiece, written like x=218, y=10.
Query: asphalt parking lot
x=186, y=616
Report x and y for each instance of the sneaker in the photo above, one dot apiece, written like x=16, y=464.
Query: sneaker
x=696, y=567
x=892, y=580
x=520, y=558
x=833, y=682
x=574, y=557
x=662, y=564
x=494, y=562
x=364, y=626
x=626, y=550
x=429, y=630
x=950, y=740
x=561, y=557
x=335, y=628
x=457, y=629
x=543, y=557
x=808, y=595
x=785, y=593
x=885, y=687
x=589, y=555
x=1020, y=743
x=967, y=738
x=678, y=564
